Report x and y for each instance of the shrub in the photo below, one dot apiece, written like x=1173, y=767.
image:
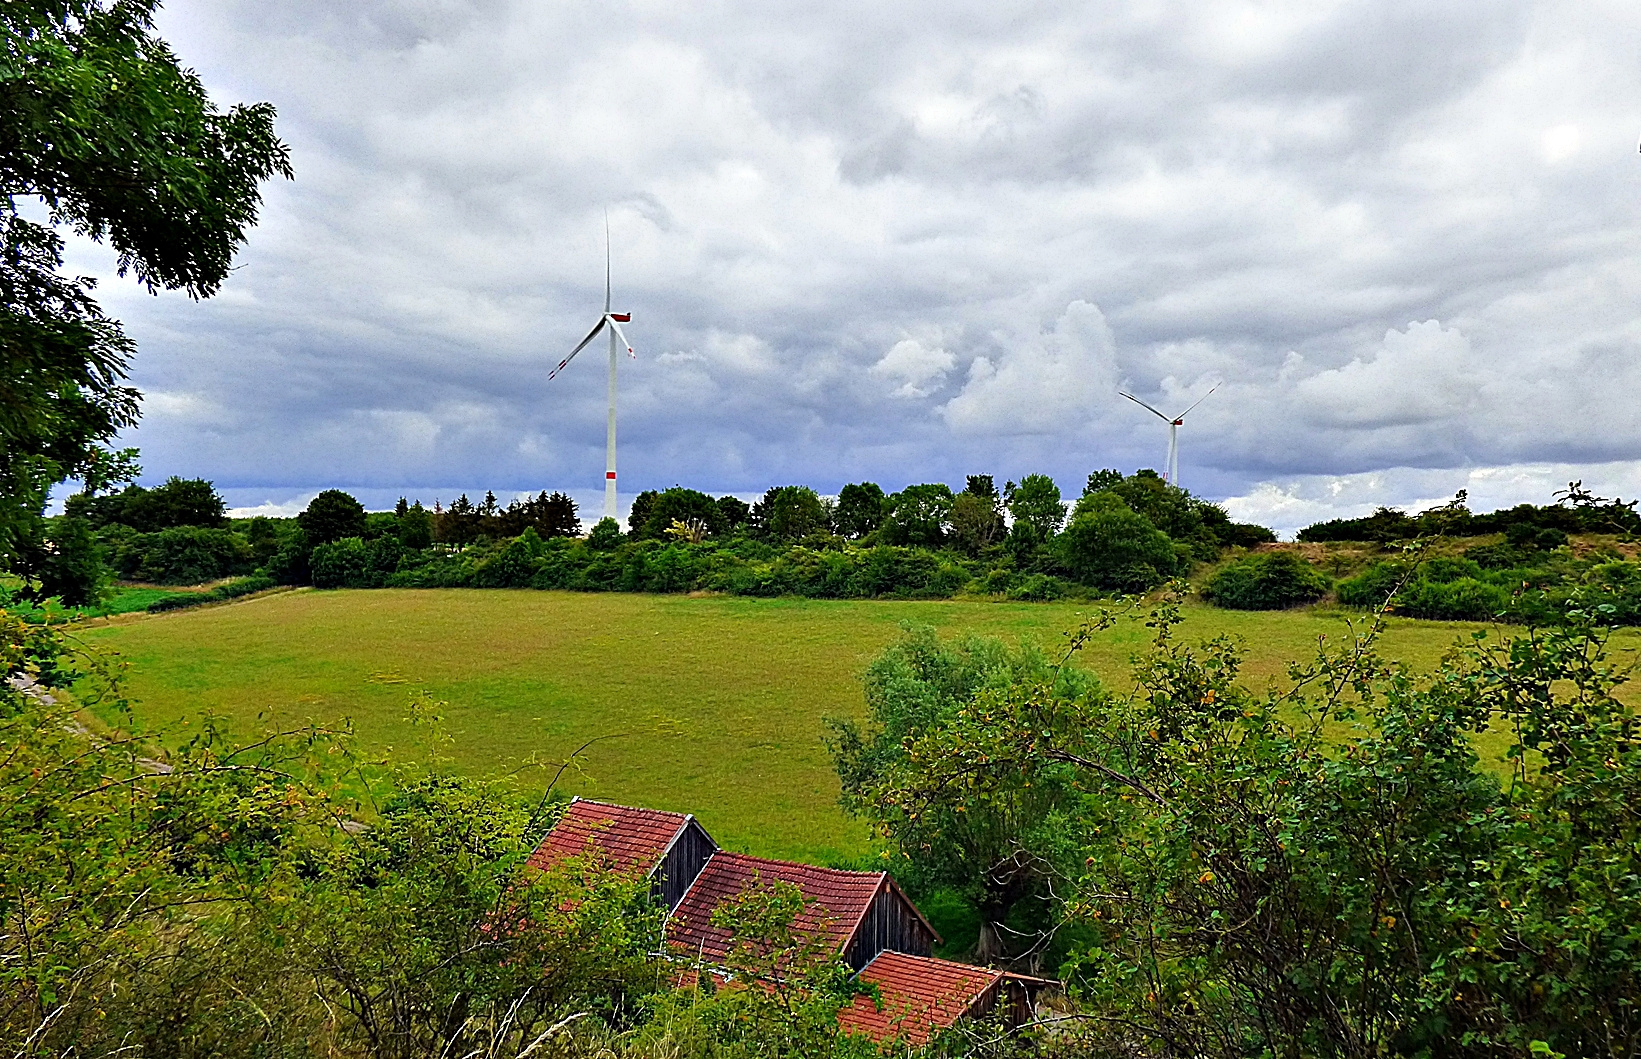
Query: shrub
x=997, y=580
x=1385, y=524
x=291, y=564
x=355, y=563
x=1038, y=588
x=1371, y=587
x=1462, y=599
x=1527, y=536
x=1501, y=556
x=341, y=564
x=1265, y=581
x=1441, y=589
x=1445, y=569
x=432, y=570
x=185, y=555
x=514, y=566
x=1243, y=534
x=232, y=590
x=1110, y=546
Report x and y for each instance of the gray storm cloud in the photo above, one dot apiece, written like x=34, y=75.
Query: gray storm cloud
x=910, y=241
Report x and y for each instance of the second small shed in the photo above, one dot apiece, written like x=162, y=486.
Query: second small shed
x=861, y=913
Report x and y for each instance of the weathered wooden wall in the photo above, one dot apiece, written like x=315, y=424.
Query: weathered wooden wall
x=682, y=864
x=891, y=923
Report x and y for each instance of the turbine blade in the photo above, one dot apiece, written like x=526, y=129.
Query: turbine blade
x=1145, y=406
x=606, y=259
x=579, y=347
x=1201, y=399
x=617, y=328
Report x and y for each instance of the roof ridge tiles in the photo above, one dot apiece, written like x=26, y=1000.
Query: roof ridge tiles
x=578, y=800
x=803, y=864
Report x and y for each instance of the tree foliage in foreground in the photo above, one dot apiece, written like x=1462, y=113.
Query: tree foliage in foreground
x=1328, y=870
x=998, y=856
x=101, y=124
x=177, y=893
x=220, y=899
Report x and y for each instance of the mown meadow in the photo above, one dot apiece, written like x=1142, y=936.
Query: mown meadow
x=711, y=705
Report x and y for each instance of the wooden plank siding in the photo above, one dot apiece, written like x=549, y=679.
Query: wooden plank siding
x=891, y=923
x=683, y=862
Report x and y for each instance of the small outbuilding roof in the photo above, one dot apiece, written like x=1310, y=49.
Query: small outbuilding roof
x=625, y=838
x=838, y=900
x=920, y=995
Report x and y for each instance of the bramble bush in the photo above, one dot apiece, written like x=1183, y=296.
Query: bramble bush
x=1462, y=589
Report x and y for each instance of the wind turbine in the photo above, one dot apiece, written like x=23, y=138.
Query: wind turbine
x=613, y=321
x=1171, y=473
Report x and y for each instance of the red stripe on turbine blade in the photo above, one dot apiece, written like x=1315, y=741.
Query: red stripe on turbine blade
x=610, y=475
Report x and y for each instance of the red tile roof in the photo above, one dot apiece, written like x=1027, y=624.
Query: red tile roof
x=838, y=900
x=920, y=995
x=624, y=838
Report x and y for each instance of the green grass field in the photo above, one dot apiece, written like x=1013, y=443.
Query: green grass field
x=714, y=703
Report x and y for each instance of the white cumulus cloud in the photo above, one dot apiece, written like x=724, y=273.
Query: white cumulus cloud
x=918, y=369
x=1415, y=376
x=1047, y=383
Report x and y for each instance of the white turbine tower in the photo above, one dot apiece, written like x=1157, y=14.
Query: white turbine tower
x=1171, y=471
x=613, y=321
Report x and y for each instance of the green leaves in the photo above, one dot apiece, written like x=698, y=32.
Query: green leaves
x=190, y=895
x=1325, y=869
x=100, y=122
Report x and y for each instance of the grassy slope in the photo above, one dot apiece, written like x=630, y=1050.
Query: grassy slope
x=718, y=701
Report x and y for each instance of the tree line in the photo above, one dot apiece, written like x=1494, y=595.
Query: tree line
x=1125, y=533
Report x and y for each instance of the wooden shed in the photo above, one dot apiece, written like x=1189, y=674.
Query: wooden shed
x=921, y=996
x=667, y=848
x=861, y=913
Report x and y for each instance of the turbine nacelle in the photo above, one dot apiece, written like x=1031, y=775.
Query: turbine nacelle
x=611, y=320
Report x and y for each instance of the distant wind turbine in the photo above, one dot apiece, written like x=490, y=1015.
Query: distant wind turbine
x=1171, y=472
x=613, y=321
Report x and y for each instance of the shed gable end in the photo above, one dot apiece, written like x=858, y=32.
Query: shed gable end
x=892, y=923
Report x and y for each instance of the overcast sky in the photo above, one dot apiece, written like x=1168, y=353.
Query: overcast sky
x=907, y=242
